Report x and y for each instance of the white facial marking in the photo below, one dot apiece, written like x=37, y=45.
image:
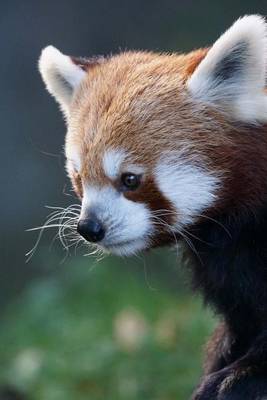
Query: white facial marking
x=112, y=161
x=135, y=169
x=73, y=157
x=127, y=223
x=190, y=188
x=232, y=76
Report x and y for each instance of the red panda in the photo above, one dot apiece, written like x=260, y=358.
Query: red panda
x=168, y=147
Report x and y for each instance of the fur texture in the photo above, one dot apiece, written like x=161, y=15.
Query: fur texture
x=190, y=129
x=60, y=74
x=232, y=76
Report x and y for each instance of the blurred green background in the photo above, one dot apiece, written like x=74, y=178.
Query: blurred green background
x=74, y=327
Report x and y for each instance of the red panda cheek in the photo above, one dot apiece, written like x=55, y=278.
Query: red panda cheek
x=149, y=194
x=77, y=184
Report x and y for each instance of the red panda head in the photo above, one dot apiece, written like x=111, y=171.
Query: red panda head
x=157, y=142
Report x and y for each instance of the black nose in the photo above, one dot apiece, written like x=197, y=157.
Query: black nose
x=91, y=230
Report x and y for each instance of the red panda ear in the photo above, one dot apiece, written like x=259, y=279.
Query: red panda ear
x=61, y=75
x=232, y=76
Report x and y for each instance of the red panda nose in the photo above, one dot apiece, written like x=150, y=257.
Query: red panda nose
x=91, y=230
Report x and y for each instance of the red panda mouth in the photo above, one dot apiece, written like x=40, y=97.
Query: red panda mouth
x=127, y=247
x=144, y=242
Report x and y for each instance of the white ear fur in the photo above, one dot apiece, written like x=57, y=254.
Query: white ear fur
x=60, y=75
x=232, y=76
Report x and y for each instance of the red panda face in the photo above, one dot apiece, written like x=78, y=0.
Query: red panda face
x=152, y=139
x=138, y=203
x=139, y=187
x=141, y=206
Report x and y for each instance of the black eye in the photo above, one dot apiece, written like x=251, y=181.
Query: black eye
x=130, y=181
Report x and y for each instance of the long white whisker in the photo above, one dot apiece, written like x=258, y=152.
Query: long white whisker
x=65, y=219
x=182, y=232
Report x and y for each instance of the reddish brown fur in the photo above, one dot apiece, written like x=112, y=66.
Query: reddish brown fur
x=138, y=101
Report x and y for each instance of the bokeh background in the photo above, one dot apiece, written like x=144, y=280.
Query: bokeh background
x=73, y=327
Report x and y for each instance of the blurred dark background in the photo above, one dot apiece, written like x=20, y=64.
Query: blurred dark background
x=32, y=170
x=32, y=127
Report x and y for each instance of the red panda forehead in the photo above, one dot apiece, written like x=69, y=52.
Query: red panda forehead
x=134, y=103
x=137, y=64
x=140, y=70
x=132, y=98
x=130, y=89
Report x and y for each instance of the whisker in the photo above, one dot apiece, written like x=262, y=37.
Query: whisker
x=217, y=222
x=65, y=220
x=182, y=232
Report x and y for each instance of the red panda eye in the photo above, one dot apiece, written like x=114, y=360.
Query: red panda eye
x=130, y=181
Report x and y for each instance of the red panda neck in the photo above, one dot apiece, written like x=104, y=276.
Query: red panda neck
x=231, y=269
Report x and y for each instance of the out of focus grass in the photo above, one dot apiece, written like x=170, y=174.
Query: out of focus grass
x=103, y=333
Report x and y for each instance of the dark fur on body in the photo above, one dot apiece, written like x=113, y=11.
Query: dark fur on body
x=230, y=269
